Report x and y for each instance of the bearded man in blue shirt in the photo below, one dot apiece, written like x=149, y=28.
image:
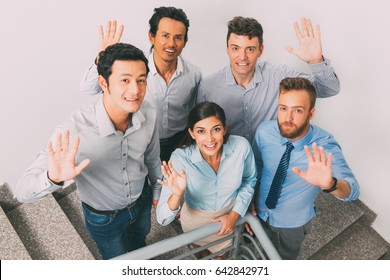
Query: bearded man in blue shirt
x=286, y=213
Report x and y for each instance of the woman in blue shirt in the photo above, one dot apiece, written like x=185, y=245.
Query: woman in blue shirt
x=214, y=172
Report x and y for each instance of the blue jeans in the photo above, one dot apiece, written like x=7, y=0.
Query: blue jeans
x=123, y=231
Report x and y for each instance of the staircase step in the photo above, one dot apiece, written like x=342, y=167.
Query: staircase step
x=60, y=194
x=333, y=217
x=71, y=205
x=357, y=242
x=369, y=216
x=11, y=247
x=46, y=232
x=7, y=200
x=159, y=232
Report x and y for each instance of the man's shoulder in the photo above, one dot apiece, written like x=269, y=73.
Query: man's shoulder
x=267, y=131
x=148, y=109
x=190, y=67
x=84, y=113
x=322, y=137
x=217, y=74
x=268, y=126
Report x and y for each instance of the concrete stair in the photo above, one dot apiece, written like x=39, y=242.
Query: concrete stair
x=12, y=247
x=54, y=228
x=342, y=230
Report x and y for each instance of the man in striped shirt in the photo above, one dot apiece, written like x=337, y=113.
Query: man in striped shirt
x=247, y=89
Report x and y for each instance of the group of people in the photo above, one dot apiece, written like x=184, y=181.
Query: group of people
x=160, y=135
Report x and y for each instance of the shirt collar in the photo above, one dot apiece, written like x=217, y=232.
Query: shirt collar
x=299, y=144
x=104, y=122
x=153, y=69
x=196, y=156
x=105, y=125
x=230, y=80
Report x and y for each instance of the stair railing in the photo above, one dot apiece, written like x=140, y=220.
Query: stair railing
x=244, y=246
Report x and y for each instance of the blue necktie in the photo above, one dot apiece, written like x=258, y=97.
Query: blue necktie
x=279, y=178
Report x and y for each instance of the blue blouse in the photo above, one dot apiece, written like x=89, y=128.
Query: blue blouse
x=207, y=190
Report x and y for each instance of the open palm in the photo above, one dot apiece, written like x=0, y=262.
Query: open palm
x=62, y=161
x=176, y=182
x=319, y=172
x=111, y=36
x=310, y=46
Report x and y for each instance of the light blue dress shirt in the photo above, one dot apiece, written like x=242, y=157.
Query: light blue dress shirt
x=295, y=205
x=119, y=161
x=173, y=101
x=207, y=190
x=247, y=108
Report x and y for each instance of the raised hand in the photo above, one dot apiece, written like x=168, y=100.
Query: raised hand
x=176, y=182
x=62, y=161
x=111, y=36
x=310, y=46
x=319, y=172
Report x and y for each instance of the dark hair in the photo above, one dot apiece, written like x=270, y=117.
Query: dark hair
x=200, y=112
x=119, y=51
x=289, y=84
x=245, y=27
x=168, y=12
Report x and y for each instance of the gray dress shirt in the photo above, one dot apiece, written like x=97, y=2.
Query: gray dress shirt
x=119, y=164
x=247, y=108
x=173, y=101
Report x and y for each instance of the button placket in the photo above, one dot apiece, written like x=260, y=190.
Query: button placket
x=125, y=175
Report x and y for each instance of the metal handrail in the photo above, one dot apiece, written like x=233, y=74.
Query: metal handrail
x=186, y=238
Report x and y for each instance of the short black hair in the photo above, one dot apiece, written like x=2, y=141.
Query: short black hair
x=168, y=12
x=288, y=84
x=119, y=51
x=245, y=26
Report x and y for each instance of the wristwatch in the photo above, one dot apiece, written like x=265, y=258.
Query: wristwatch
x=333, y=188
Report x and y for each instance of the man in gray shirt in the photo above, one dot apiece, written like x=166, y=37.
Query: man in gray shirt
x=173, y=80
x=247, y=89
x=115, y=149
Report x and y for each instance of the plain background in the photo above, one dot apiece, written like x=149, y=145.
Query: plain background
x=46, y=46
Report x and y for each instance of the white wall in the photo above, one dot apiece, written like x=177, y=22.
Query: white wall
x=47, y=45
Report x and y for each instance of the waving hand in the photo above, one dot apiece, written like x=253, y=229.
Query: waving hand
x=62, y=160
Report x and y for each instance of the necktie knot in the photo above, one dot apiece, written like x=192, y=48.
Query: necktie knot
x=289, y=147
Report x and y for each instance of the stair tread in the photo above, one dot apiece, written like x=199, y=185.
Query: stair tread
x=11, y=247
x=7, y=201
x=61, y=193
x=159, y=232
x=46, y=232
x=71, y=205
x=358, y=242
x=333, y=217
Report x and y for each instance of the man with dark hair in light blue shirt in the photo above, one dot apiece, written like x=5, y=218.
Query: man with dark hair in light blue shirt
x=247, y=89
x=286, y=214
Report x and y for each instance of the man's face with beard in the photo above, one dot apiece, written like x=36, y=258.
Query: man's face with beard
x=294, y=114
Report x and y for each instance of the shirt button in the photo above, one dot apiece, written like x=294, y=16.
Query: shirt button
x=124, y=155
x=127, y=195
x=123, y=168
